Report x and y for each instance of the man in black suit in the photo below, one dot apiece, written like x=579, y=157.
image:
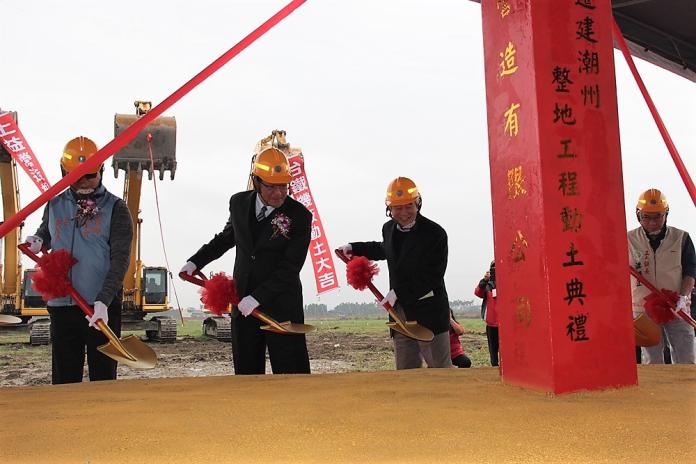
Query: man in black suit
x=271, y=232
x=416, y=252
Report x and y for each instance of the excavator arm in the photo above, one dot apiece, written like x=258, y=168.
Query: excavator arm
x=153, y=149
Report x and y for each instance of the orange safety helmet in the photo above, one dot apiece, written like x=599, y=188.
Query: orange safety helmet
x=652, y=201
x=272, y=166
x=402, y=191
x=76, y=152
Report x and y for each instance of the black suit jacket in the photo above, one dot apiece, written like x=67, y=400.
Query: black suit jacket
x=266, y=267
x=415, y=270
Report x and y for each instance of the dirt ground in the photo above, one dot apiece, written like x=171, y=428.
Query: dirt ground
x=331, y=352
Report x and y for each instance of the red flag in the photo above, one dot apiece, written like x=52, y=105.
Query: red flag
x=17, y=146
x=319, y=251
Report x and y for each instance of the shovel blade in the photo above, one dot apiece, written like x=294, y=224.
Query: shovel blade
x=412, y=329
x=290, y=328
x=132, y=352
x=647, y=332
x=6, y=319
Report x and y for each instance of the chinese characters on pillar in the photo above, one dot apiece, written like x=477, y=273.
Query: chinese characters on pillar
x=16, y=145
x=573, y=85
x=319, y=251
x=514, y=128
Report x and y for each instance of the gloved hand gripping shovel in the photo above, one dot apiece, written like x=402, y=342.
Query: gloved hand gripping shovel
x=287, y=327
x=649, y=285
x=128, y=350
x=411, y=329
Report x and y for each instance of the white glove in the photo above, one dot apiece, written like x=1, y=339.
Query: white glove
x=100, y=312
x=247, y=305
x=389, y=298
x=188, y=268
x=347, y=250
x=683, y=303
x=35, y=243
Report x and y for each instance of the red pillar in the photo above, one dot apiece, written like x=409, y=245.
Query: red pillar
x=558, y=212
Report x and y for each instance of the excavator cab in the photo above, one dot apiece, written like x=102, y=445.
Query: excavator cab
x=145, y=290
x=32, y=299
x=155, y=285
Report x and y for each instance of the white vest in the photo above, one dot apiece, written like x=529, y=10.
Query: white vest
x=663, y=268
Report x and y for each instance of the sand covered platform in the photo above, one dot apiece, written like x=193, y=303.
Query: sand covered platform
x=425, y=415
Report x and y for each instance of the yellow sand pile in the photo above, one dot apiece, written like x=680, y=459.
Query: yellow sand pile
x=445, y=416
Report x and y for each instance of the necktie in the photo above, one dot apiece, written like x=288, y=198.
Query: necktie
x=262, y=214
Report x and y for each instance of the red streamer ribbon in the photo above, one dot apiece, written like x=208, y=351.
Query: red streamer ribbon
x=656, y=116
x=129, y=133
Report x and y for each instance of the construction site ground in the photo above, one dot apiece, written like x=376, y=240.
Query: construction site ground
x=336, y=346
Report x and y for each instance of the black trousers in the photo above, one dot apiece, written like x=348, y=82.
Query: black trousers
x=462, y=361
x=288, y=353
x=492, y=336
x=71, y=336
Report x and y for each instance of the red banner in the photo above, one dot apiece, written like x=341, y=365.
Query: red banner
x=17, y=146
x=319, y=251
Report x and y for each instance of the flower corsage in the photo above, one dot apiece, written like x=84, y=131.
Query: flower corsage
x=281, y=226
x=86, y=209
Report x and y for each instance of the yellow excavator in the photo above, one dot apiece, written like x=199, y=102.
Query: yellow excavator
x=17, y=297
x=145, y=288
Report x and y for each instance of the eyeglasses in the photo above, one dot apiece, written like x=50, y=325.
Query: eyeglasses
x=651, y=217
x=90, y=176
x=279, y=187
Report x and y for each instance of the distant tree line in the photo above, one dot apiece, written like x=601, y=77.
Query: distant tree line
x=351, y=309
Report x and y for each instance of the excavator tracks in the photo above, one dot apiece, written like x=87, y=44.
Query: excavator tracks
x=166, y=329
x=40, y=332
x=218, y=328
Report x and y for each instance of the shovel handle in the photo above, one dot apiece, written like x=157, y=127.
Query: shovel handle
x=376, y=293
x=197, y=278
x=649, y=285
x=81, y=302
x=84, y=306
x=370, y=285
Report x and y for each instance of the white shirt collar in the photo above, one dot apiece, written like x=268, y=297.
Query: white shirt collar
x=260, y=204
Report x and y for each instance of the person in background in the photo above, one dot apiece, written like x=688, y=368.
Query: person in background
x=486, y=290
x=666, y=257
x=416, y=252
x=95, y=227
x=459, y=358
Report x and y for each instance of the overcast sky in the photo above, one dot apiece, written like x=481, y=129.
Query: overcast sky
x=369, y=89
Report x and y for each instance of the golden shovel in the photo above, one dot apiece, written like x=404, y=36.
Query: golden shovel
x=6, y=319
x=128, y=350
x=411, y=329
x=287, y=327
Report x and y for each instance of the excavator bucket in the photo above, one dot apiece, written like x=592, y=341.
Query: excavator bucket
x=136, y=155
